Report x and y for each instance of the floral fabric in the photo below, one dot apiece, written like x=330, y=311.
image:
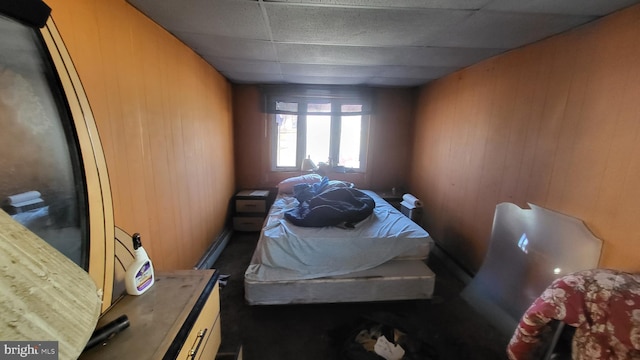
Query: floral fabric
x=604, y=307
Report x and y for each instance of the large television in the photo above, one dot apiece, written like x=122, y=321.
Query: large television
x=53, y=172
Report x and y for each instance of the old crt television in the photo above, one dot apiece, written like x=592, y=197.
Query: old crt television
x=54, y=178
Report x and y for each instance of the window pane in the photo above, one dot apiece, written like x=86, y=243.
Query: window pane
x=42, y=187
x=350, y=141
x=318, y=137
x=286, y=106
x=351, y=108
x=321, y=108
x=286, y=140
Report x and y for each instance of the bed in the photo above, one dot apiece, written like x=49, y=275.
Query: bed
x=381, y=258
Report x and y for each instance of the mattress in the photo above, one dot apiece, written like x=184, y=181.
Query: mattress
x=286, y=252
x=391, y=281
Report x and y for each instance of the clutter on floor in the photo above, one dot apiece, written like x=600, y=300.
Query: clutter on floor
x=444, y=327
x=382, y=336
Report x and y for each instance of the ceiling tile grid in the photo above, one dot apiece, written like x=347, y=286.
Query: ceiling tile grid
x=391, y=55
x=359, y=26
x=213, y=46
x=362, y=42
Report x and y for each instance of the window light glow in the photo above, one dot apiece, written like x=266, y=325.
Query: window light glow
x=523, y=243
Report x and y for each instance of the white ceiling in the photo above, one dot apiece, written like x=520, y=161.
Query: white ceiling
x=362, y=42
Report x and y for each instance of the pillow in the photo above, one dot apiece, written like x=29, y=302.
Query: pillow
x=286, y=186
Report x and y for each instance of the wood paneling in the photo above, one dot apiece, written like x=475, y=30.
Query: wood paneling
x=164, y=118
x=556, y=123
x=390, y=138
x=389, y=141
x=250, y=131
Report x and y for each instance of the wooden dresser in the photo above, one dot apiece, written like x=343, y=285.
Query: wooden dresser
x=178, y=318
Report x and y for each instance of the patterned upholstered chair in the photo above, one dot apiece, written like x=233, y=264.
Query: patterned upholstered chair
x=602, y=305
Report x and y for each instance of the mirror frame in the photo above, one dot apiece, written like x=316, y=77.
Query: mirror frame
x=100, y=206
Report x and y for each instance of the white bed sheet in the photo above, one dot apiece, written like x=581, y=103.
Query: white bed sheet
x=288, y=252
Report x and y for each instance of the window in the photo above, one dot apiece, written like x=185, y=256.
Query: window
x=328, y=130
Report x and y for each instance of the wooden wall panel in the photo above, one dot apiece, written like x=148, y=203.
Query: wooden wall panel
x=165, y=121
x=251, y=149
x=555, y=123
x=390, y=141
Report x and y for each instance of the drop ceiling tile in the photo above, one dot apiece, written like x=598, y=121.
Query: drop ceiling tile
x=416, y=4
x=445, y=56
x=492, y=29
x=332, y=54
x=413, y=72
x=240, y=77
x=235, y=65
x=227, y=47
x=351, y=72
x=323, y=80
x=234, y=18
x=362, y=41
x=327, y=70
x=350, y=26
x=368, y=55
x=395, y=82
x=570, y=7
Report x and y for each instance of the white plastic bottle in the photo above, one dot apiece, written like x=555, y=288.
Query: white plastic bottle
x=139, y=276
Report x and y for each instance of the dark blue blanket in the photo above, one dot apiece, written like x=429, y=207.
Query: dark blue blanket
x=304, y=192
x=333, y=207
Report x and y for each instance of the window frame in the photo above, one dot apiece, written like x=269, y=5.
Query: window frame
x=336, y=115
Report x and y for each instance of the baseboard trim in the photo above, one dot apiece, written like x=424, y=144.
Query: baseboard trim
x=214, y=250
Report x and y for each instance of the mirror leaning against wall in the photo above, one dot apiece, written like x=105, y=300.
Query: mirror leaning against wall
x=53, y=176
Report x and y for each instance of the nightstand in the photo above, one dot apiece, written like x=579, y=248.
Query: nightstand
x=392, y=198
x=251, y=207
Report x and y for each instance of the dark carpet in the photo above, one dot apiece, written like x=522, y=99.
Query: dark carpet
x=444, y=327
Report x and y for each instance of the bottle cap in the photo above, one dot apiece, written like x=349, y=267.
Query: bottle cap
x=136, y=241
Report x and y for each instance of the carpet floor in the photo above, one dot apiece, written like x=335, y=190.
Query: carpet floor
x=444, y=327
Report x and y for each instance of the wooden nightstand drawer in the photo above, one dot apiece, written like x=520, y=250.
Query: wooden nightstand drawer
x=251, y=206
x=251, y=201
x=248, y=223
